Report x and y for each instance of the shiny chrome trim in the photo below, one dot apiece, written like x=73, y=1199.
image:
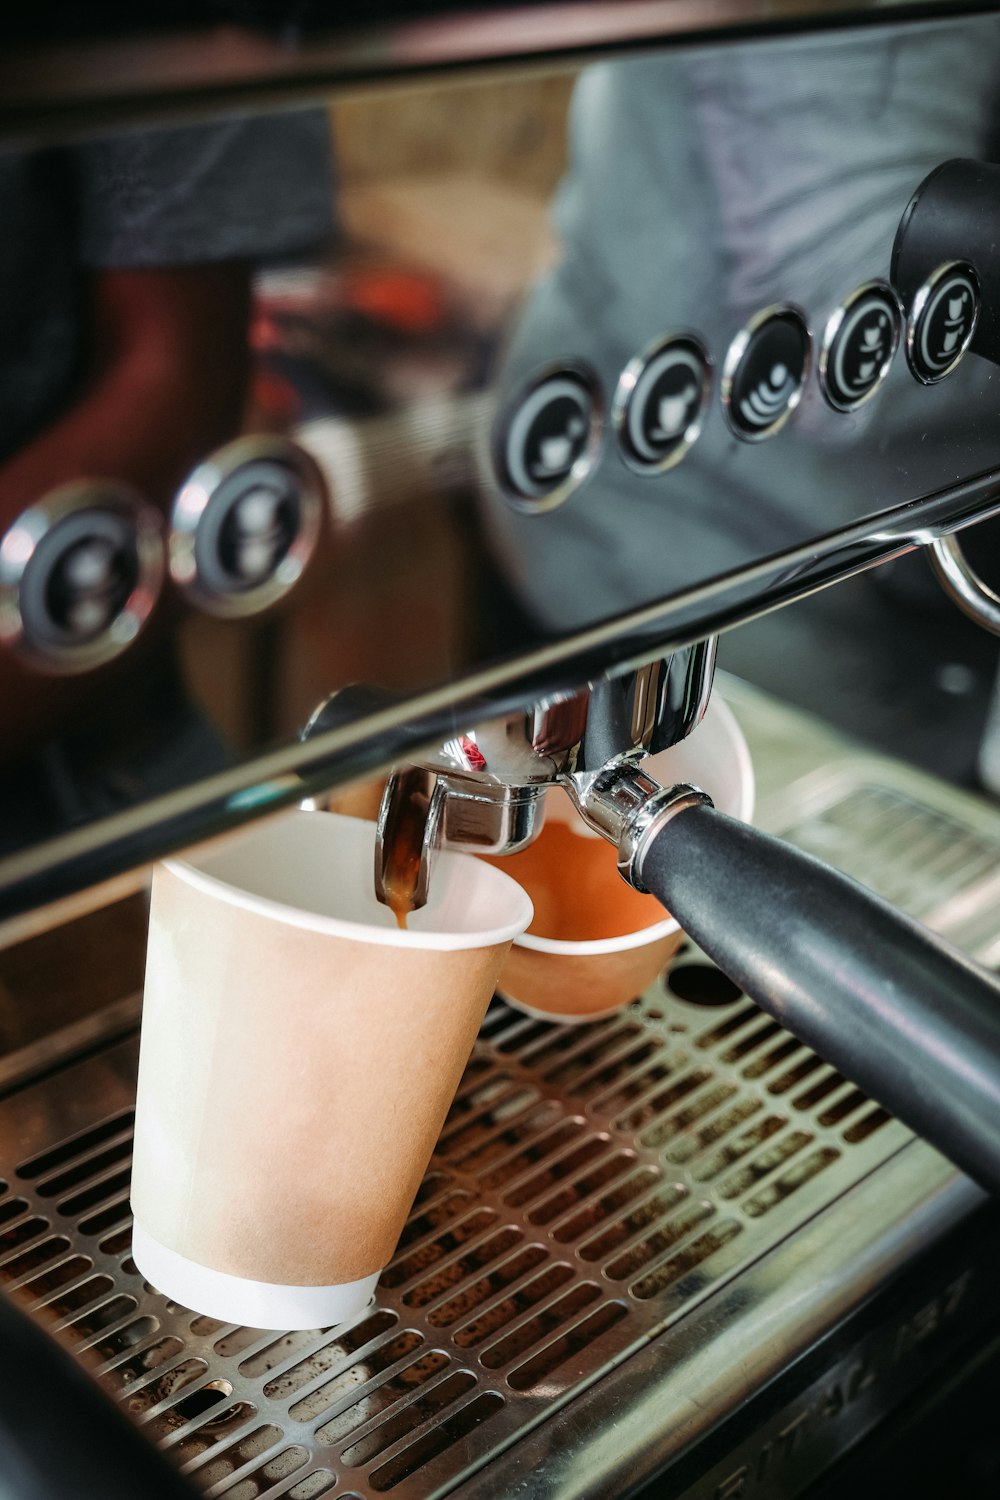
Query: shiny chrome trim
x=193, y=500
x=646, y=823
x=735, y=353
x=579, y=373
x=88, y=83
x=833, y=326
x=963, y=584
x=920, y=302
x=20, y=545
x=49, y=870
x=625, y=390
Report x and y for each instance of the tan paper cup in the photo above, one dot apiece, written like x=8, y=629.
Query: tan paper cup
x=594, y=943
x=299, y=1055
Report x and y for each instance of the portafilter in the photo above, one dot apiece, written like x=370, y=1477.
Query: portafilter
x=900, y=1012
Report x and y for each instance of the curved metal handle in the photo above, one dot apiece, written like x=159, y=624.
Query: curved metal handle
x=963, y=584
x=894, y=1008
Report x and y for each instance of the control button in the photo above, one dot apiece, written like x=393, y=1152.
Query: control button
x=79, y=575
x=942, y=321
x=859, y=344
x=548, y=437
x=764, y=373
x=244, y=526
x=660, y=404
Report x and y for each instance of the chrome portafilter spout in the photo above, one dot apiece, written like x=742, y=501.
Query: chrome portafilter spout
x=482, y=791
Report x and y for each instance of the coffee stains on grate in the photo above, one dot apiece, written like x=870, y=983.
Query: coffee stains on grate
x=214, y=1467
x=538, y=1140
x=608, y=1168
x=429, y=1253
x=133, y=1334
x=503, y=1276
x=500, y=1315
x=442, y=1436
x=373, y=1397
x=687, y=1262
x=604, y=1209
x=319, y=1482
x=345, y=1384
x=136, y=1367
x=789, y=1182
x=16, y=1267
x=319, y=1362
x=428, y=1403
x=568, y=1346
x=458, y=1271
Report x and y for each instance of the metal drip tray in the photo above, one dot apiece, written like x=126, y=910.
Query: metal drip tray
x=594, y=1188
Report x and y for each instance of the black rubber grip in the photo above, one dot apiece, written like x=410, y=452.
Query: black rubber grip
x=897, y=1010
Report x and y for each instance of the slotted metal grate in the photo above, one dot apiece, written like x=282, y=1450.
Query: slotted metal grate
x=923, y=859
x=591, y=1185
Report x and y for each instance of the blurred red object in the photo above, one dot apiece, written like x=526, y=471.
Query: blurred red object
x=409, y=300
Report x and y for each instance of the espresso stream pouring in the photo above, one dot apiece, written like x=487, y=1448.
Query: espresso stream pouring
x=898, y=1011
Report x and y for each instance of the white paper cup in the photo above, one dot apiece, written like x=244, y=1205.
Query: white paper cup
x=576, y=979
x=299, y=1054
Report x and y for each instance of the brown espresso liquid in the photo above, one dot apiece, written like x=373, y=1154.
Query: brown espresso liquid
x=403, y=843
x=575, y=887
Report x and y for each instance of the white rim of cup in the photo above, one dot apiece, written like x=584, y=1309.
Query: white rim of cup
x=643, y=936
x=508, y=893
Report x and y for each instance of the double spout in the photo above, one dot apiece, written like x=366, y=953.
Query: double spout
x=483, y=791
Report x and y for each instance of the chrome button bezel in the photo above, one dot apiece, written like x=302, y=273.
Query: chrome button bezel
x=192, y=511
x=627, y=393
x=841, y=322
x=924, y=304
x=735, y=355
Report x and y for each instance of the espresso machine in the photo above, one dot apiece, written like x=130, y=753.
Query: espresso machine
x=450, y=402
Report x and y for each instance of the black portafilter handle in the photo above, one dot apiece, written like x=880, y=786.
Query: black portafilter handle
x=954, y=216
x=902, y=1014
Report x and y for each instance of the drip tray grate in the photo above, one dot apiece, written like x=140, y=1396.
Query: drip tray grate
x=591, y=1185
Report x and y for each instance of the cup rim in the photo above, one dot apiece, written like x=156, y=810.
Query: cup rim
x=465, y=867
x=642, y=937
x=588, y=947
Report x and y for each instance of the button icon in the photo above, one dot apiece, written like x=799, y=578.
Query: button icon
x=660, y=403
x=764, y=373
x=942, y=321
x=548, y=437
x=89, y=585
x=245, y=524
x=859, y=345
x=259, y=528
